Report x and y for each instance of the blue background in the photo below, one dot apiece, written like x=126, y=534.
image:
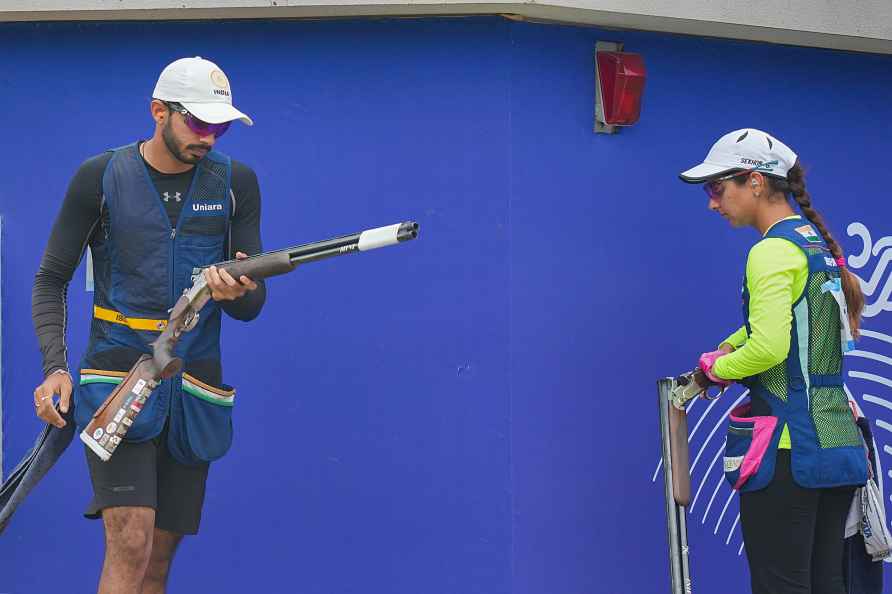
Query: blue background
x=474, y=412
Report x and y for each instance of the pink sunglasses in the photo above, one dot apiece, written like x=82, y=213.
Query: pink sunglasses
x=200, y=127
x=715, y=188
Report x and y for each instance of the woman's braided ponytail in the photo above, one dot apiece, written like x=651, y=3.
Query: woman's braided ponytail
x=851, y=287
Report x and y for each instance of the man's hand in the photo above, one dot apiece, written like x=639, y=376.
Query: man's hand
x=56, y=383
x=224, y=287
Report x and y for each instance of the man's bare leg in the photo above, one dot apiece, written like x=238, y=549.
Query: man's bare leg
x=128, y=546
x=164, y=545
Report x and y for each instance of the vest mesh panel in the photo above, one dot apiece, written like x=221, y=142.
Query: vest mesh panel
x=211, y=187
x=775, y=380
x=824, y=344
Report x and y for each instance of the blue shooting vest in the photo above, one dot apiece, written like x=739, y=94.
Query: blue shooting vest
x=141, y=267
x=805, y=391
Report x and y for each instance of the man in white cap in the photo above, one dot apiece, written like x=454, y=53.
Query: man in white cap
x=154, y=214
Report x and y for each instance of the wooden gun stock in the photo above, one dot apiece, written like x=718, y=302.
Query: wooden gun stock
x=114, y=417
x=678, y=451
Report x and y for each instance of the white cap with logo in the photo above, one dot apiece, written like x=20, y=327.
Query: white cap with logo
x=746, y=148
x=200, y=86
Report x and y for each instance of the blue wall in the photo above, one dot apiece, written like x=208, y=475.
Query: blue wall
x=474, y=412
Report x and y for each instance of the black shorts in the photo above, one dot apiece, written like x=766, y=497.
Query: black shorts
x=145, y=474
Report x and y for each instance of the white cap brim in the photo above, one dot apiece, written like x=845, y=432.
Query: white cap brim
x=216, y=113
x=702, y=172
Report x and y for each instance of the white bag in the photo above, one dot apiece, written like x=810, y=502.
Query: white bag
x=877, y=540
x=868, y=514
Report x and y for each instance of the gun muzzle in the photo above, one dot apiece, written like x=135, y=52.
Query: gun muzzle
x=390, y=235
x=407, y=231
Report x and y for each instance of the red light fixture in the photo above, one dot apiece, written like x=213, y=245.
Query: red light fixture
x=619, y=87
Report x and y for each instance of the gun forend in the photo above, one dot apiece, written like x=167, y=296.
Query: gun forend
x=260, y=266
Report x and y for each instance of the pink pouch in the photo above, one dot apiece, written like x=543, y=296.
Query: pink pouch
x=748, y=438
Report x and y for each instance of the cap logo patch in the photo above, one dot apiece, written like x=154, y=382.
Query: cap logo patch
x=759, y=165
x=219, y=79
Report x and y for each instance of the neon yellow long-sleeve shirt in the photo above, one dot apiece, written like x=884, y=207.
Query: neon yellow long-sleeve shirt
x=776, y=274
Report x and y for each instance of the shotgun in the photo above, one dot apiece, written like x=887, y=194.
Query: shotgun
x=115, y=416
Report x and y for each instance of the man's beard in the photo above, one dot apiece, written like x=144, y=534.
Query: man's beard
x=171, y=143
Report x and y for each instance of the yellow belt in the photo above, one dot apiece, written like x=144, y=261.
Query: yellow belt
x=110, y=315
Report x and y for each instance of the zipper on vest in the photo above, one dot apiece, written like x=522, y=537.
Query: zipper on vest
x=171, y=264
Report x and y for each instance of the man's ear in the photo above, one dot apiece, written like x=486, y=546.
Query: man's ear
x=158, y=110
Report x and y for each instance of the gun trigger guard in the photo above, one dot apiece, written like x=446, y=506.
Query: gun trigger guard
x=705, y=395
x=191, y=321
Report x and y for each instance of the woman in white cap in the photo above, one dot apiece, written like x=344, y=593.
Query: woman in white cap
x=793, y=451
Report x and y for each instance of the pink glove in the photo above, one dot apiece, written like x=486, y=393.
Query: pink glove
x=707, y=360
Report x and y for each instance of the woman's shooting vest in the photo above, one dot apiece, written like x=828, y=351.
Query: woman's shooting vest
x=805, y=391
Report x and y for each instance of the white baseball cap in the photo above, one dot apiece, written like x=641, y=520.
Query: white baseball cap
x=746, y=148
x=201, y=87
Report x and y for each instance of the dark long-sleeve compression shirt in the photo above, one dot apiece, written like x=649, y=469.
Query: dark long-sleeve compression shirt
x=76, y=226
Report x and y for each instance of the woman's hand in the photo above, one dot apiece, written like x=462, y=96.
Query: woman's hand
x=707, y=361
